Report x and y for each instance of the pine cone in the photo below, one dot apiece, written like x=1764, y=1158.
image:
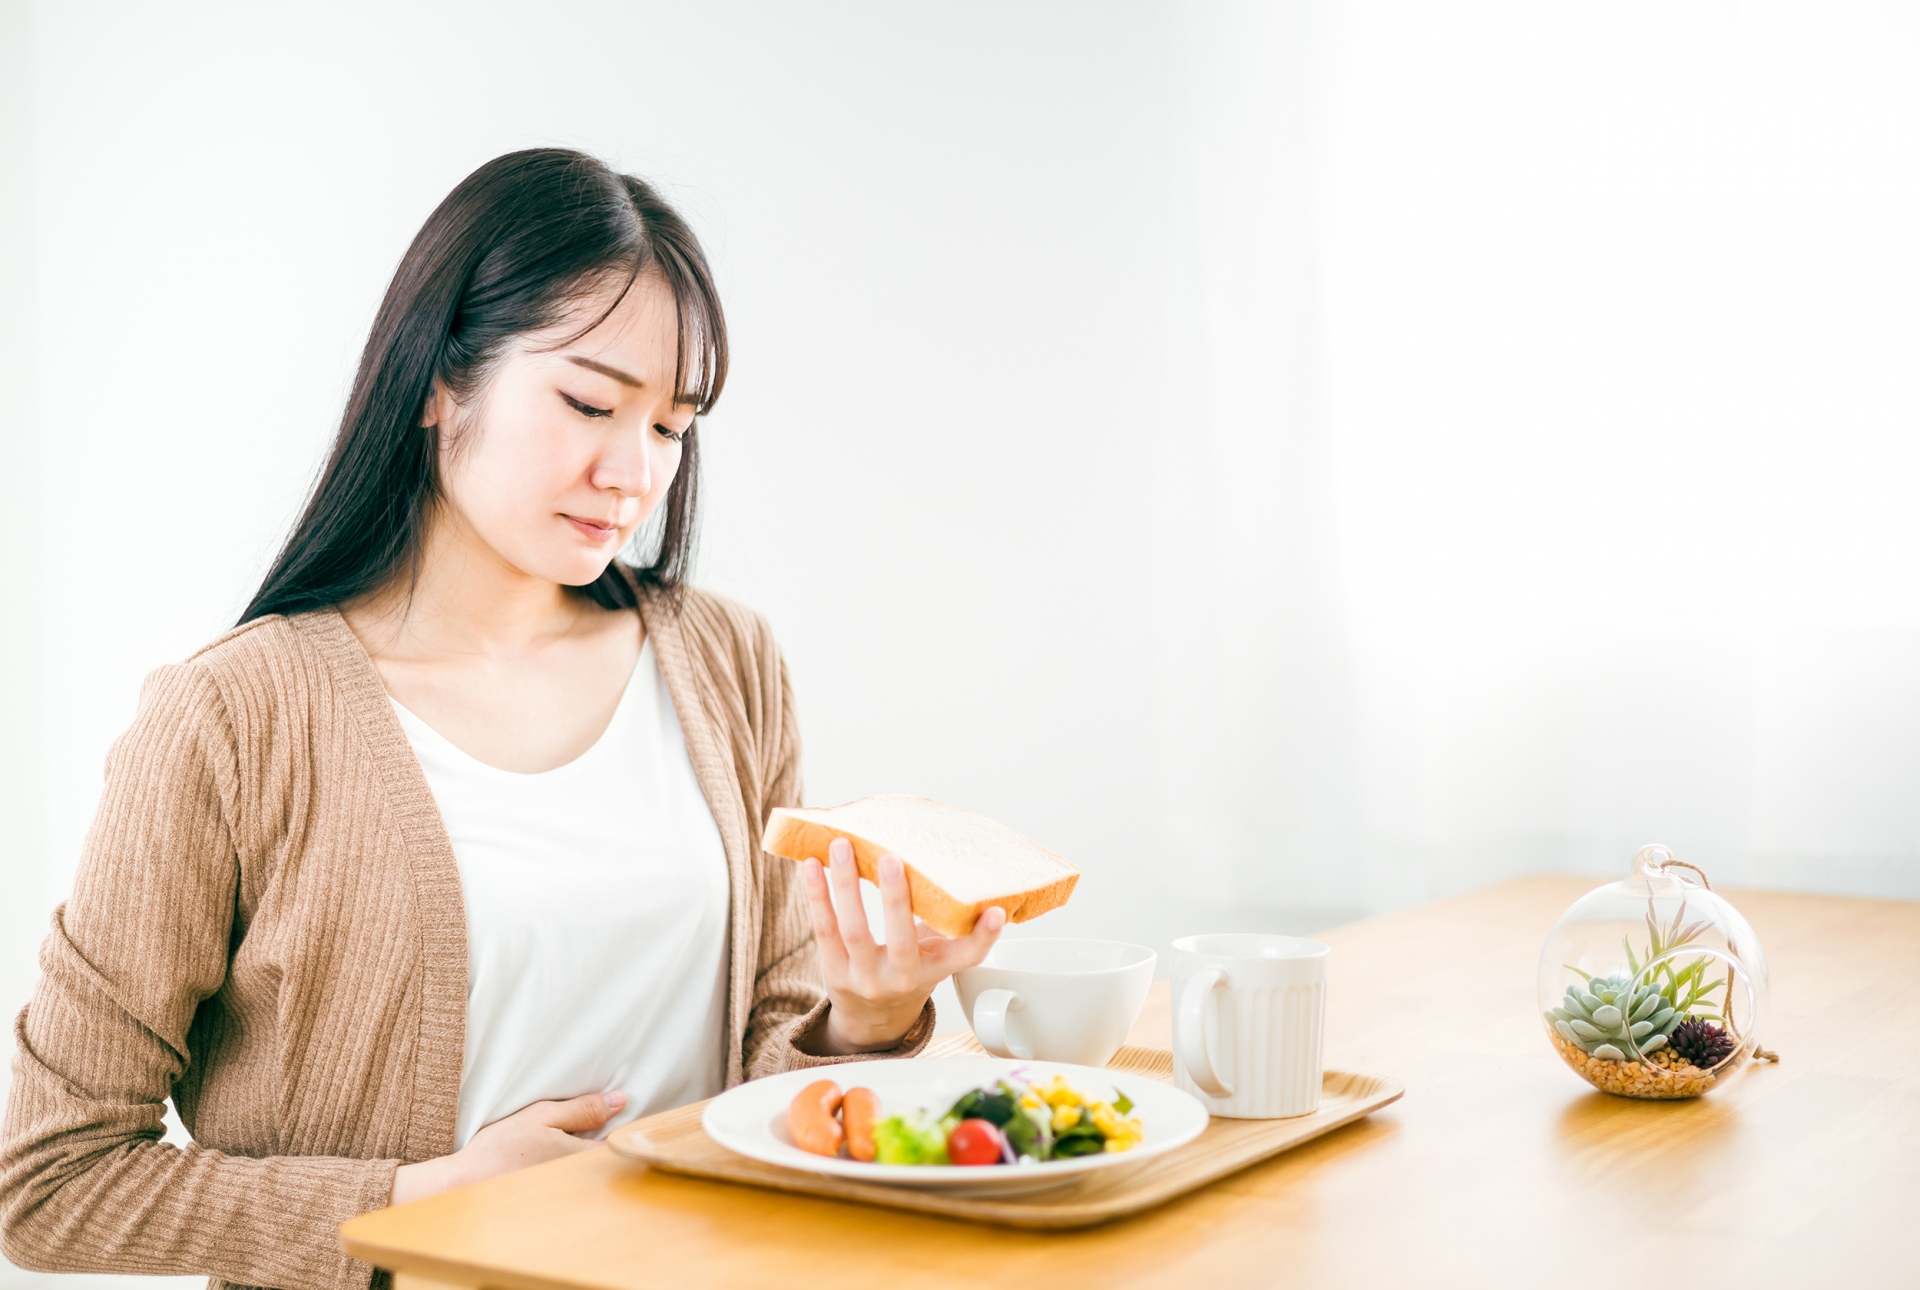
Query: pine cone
x=1702, y=1043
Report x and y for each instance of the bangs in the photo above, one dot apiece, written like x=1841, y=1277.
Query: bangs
x=700, y=368
x=700, y=360
x=668, y=245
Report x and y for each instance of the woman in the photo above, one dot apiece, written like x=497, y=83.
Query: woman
x=447, y=855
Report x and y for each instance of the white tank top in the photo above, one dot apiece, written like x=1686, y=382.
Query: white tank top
x=596, y=899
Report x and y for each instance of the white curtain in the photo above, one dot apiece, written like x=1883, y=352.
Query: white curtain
x=1549, y=378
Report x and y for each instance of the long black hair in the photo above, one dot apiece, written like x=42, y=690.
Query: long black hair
x=512, y=248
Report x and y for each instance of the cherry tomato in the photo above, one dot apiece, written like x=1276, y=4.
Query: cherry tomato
x=974, y=1142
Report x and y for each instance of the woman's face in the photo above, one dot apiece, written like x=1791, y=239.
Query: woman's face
x=569, y=446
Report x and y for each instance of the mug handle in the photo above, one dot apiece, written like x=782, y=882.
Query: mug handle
x=990, y=1011
x=1193, y=1035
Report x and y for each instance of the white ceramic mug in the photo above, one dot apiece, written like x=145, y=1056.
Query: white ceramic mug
x=1248, y=1012
x=1056, y=999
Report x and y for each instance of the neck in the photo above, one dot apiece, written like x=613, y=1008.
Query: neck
x=468, y=600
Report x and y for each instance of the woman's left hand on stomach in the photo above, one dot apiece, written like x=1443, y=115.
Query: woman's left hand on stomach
x=878, y=991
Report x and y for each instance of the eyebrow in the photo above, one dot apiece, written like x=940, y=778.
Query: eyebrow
x=604, y=370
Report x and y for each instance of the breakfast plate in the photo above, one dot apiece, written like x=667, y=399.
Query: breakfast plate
x=752, y=1119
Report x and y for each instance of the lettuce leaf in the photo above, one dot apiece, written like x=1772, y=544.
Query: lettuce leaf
x=899, y=1140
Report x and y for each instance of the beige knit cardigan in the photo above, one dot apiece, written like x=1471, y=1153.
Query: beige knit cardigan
x=267, y=927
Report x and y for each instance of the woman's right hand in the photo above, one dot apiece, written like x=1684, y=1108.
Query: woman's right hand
x=532, y=1135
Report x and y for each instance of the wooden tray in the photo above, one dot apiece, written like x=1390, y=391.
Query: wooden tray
x=674, y=1141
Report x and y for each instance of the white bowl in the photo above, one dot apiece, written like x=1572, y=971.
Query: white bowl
x=752, y=1119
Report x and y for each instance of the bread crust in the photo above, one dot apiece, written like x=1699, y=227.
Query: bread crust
x=798, y=839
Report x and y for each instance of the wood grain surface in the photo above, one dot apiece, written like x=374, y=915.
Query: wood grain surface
x=675, y=1141
x=1499, y=1166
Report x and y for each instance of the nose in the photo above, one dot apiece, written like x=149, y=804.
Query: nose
x=626, y=467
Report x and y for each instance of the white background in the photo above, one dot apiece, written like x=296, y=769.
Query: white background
x=1294, y=460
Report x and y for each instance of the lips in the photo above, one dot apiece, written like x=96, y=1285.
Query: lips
x=598, y=530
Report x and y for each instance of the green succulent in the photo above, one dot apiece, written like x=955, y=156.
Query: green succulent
x=1613, y=1023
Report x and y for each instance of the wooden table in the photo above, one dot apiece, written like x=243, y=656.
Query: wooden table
x=1499, y=1167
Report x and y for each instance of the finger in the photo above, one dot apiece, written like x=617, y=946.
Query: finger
x=949, y=956
x=580, y=1114
x=849, y=910
x=826, y=929
x=903, y=946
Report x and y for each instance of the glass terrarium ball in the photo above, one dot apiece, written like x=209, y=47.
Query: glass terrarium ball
x=1654, y=986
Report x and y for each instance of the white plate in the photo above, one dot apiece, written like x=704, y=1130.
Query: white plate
x=752, y=1119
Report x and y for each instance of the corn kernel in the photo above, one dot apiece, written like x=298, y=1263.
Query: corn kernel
x=1056, y=1093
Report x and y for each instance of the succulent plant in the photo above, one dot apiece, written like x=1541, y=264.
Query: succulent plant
x=1613, y=1023
x=1701, y=1042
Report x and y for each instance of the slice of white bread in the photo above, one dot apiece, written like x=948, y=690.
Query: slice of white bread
x=958, y=863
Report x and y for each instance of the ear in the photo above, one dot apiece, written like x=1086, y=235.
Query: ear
x=439, y=409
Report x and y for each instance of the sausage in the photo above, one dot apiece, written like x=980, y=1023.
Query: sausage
x=860, y=1109
x=810, y=1119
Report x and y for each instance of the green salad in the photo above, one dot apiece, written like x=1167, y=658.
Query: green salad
x=1009, y=1122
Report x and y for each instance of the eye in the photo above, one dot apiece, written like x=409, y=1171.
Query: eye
x=670, y=434
x=585, y=409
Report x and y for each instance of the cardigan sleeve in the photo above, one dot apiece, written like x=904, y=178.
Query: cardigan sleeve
x=788, y=998
x=86, y=1184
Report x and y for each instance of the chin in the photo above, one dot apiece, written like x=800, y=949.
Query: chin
x=571, y=572
x=586, y=579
